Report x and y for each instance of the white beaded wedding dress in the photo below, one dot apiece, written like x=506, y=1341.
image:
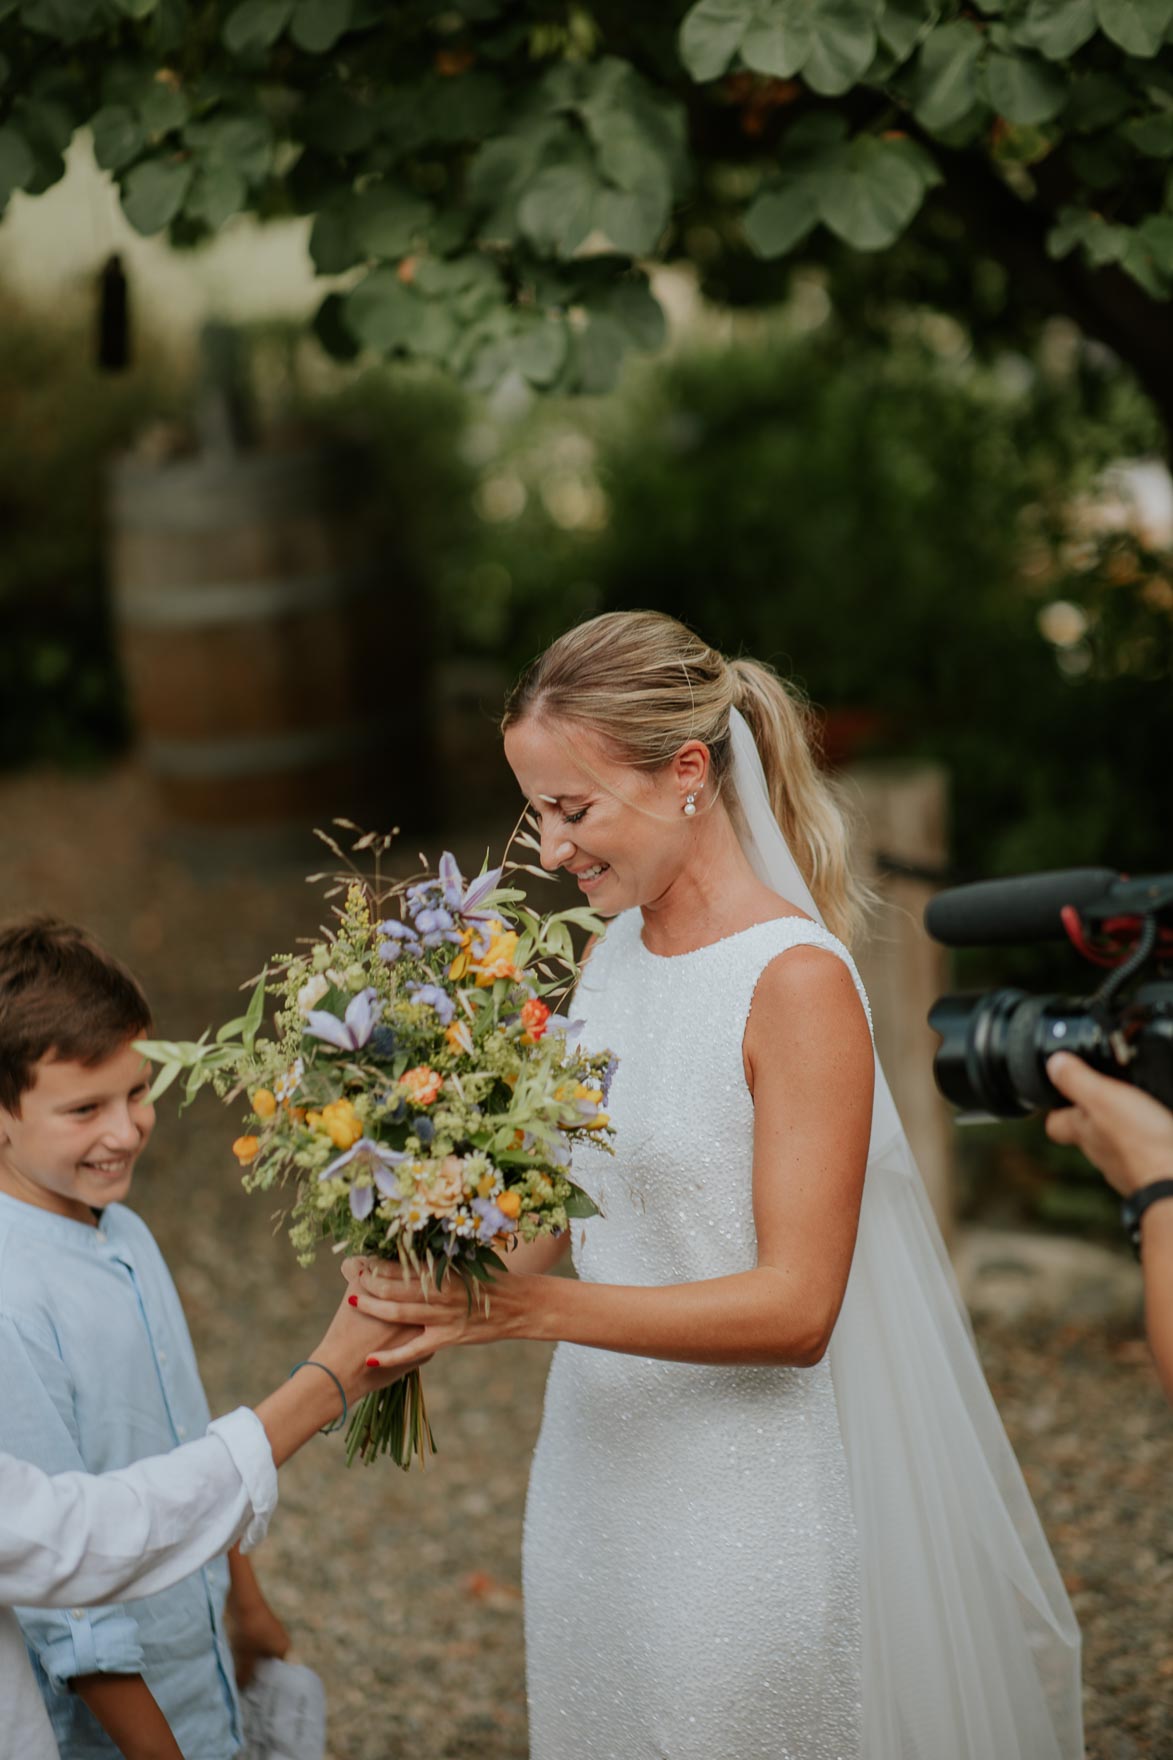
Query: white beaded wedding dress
x=753, y=1563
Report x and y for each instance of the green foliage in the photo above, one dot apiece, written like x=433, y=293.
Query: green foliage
x=495, y=176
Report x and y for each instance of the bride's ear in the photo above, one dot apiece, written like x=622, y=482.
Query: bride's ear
x=690, y=768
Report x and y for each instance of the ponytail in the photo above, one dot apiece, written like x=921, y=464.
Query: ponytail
x=807, y=804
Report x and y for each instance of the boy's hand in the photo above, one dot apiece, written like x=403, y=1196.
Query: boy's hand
x=254, y=1631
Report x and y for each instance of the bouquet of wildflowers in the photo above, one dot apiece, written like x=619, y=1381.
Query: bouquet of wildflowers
x=417, y=1094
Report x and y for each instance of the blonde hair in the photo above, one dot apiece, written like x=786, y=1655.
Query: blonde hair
x=648, y=685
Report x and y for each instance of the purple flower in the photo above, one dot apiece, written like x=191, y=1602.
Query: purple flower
x=377, y=1160
x=347, y=1035
x=493, y=1221
x=435, y=998
x=431, y=921
x=398, y=938
x=607, y=1077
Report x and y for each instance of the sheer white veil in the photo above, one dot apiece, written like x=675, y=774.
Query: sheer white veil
x=970, y=1645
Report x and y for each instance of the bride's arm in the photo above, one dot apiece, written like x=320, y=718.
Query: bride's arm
x=809, y=1060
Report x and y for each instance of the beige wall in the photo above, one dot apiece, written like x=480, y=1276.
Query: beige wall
x=52, y=246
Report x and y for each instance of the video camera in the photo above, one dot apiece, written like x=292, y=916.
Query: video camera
x=992, y=1059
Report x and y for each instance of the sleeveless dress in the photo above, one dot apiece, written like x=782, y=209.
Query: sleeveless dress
x=690, y=1563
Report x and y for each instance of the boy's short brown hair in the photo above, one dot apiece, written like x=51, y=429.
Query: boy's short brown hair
x=60, y=992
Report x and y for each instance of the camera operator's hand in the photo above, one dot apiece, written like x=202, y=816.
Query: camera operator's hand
x=1129, y=1137
x=1123, y=1130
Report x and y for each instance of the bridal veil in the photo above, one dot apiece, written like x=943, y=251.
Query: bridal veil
x=970, y=1646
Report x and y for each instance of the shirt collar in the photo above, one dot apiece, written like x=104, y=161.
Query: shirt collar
x=63, y=1229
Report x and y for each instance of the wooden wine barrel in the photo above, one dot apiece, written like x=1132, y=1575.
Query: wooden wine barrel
x=275, y=676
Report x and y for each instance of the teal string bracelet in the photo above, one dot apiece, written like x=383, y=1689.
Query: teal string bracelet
x=311, y=1363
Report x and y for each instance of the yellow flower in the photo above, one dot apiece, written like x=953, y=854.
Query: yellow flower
x=246, y=1149
x=458, y=1037
x=509, y=1204
x=313, y=1119
x=594, y=1095
x=597, y=1122
x=459, y=965
x=342, y=1124
x=264, y=1103
x=498, y=959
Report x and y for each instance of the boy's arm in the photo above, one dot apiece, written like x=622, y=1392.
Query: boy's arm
x=253, y=1628
x=129, y=1713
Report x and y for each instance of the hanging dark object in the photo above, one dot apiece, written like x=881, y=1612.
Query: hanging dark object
x=113, y=318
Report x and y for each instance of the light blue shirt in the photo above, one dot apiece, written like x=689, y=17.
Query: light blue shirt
x=96, y=1371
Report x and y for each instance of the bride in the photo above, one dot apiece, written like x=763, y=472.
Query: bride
x=773, y=1514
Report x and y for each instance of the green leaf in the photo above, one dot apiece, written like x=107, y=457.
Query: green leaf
x=217, y=193
x=557, y=210
x=1157, y=233
x=869, y=196
x=1153, y=135
x=163, y=1081
x=600, y=348
x=946, y=87
x=255, y=24
x=333, y=246
x=633, y=305
x=1138, y=260
x=844, y=46
x=1057, y=28
x=579, y=1207
x=779, y=217
x=903, y=24
x=634, y=219
x=388, y=220
x=541, y=355
x=711, y=35
x=118, y=137
x=387, y=316
x=137, y=8
x=163, y=108
x=245, y=142
x=1023, y=89
x=154, y=192
x=332, y=330
x=318, y=24
x=1138, y=26
x=780, y=38
x=254, y=1013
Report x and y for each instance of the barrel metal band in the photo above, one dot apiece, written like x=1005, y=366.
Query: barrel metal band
x=195, y=760
x=203, y=606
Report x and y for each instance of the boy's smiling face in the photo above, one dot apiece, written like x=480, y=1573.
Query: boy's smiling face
x=72, y=1145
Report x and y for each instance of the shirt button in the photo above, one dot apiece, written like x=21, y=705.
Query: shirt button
x=181, y=1431
x=162, y=1356
x=101, y=1236
x=77, y=1613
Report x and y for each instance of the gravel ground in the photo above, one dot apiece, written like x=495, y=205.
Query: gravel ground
x=403, y=1590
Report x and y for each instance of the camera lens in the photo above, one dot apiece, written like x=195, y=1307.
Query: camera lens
x=994, y=1049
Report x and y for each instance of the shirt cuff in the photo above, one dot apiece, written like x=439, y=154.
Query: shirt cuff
x=243, y=1435
x=83, y=1645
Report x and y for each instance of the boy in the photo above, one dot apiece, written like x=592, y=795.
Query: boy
x=96, y=1364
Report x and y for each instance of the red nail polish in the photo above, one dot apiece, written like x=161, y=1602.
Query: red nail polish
x=373, y=1363
x=353, y=1300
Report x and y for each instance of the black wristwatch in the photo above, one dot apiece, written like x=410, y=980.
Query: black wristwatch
x=1134, y=1207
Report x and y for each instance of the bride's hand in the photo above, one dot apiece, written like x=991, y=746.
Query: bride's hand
x=444, y=1316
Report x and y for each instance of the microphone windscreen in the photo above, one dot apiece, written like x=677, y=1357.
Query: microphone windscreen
x=1023, y=909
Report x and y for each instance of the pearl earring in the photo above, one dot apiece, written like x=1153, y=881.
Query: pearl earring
x=690, y=805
